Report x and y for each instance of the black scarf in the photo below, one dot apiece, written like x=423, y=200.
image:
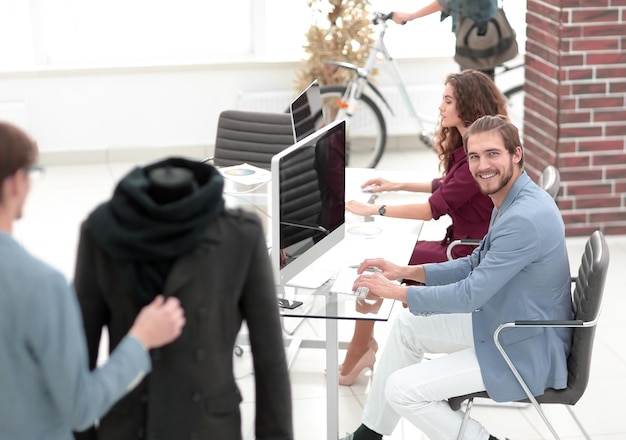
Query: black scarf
x=145, y=238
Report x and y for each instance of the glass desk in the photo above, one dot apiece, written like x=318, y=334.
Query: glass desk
x=392, y=239
x=321, y=303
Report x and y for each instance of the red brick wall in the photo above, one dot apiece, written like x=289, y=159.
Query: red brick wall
x=575, y=107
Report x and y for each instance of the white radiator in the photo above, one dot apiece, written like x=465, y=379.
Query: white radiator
x=425, y=100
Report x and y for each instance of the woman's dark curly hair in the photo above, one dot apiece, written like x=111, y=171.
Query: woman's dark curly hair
x=476, y=95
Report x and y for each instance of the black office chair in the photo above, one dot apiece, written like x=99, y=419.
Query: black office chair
x=251, y=137
x=587, y=302
x=549, y=180
x=254, y=137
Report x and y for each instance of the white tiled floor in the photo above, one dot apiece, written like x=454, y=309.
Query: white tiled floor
x=64, y=197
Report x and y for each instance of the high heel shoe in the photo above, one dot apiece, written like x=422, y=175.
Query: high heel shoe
x=372, y=344
x=366, y=361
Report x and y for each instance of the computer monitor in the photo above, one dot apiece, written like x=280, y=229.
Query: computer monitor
x=306, y=112
x=308, y=202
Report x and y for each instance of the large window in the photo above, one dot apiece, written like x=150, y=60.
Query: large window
x=70, y=33
x=76, y=33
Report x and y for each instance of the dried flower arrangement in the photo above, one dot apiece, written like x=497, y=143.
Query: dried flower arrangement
x=342, y=31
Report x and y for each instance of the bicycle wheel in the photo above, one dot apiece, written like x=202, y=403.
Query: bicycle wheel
x=366, y=133
x=515, y=105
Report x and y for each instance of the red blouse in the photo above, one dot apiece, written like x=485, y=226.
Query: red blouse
x=459, y=196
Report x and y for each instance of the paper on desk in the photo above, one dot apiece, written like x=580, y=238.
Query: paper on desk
x=246, y=174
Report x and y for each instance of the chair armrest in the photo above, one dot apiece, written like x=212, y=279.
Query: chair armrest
x=455, y=402
x=538, y=323
x=466, y=241
x=567, y=323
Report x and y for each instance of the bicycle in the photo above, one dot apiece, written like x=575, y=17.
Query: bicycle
x=366, y=136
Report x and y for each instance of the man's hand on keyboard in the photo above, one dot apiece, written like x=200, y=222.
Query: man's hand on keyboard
x=379, y=281
x=381, y=286
x=388, y=269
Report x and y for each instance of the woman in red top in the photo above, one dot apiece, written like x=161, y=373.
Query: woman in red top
x=467, y=96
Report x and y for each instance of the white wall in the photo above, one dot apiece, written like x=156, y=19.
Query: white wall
x=126, y=109
x=131, y=108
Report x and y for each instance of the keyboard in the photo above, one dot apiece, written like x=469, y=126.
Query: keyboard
x=344, y=281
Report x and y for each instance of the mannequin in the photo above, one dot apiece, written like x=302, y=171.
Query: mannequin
x=168, y=184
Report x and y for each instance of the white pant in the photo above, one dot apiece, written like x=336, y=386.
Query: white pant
x=403, y=386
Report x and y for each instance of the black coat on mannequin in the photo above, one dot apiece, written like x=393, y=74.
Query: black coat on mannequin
x=223, y=279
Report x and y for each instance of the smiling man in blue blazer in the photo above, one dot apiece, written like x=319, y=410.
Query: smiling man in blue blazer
x=520, y=271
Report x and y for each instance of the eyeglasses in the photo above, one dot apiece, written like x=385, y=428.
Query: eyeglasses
x=35, y=172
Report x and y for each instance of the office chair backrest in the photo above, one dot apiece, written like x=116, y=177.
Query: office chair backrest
x=251, y=137
x=587, y=299
x=550, y=180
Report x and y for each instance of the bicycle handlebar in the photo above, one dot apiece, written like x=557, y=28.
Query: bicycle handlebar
x=380, y=17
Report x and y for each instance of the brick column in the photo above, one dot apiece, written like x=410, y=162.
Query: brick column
x=575, y=107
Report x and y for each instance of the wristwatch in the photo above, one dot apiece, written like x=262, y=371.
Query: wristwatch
x=382, y=210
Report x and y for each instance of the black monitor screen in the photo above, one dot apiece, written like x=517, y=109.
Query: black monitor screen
x=306, y=112
x=308, y=182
